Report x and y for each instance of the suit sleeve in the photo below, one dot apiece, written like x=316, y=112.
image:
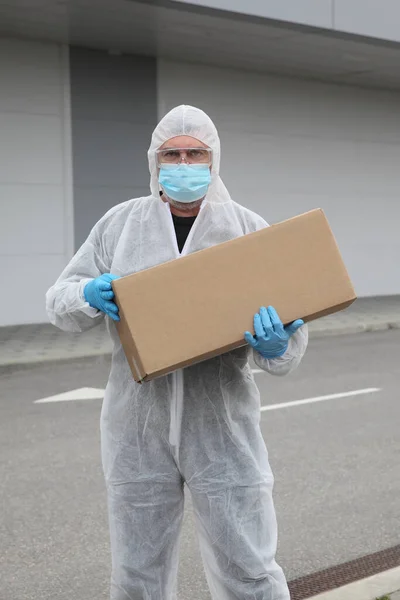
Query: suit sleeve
x=65, y=303
x=290, y=360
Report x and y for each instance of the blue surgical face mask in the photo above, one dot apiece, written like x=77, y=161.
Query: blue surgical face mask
x=185, y=183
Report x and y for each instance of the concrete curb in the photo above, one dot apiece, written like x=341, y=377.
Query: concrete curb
x=353, y=329
x=316, y=333
x=13, y=367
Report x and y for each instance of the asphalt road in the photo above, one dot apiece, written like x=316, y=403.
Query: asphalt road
x=336, y=465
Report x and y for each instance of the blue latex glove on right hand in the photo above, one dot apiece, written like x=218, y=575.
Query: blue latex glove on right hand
x=99, y=294
x=272, y=338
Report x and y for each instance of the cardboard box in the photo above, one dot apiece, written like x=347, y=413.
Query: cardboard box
x=200, y=305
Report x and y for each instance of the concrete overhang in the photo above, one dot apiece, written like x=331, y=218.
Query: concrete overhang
x=189, y=32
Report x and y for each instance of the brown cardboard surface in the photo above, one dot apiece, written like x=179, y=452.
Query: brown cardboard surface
x=200, y=305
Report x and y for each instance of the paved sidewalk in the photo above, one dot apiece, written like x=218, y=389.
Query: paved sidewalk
x=31, y=344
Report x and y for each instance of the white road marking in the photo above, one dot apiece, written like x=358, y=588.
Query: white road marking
x=98, y=394
x=369, y=588
x=256, y=371
x=320, y=399
x=86, y=393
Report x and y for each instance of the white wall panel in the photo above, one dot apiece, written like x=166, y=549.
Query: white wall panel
x=31, y=150
x=290, y=145
x=307, y=12
x=375, y=18
x=24, y=209
x=34, y=178
x=30, y=278
x=32, y=69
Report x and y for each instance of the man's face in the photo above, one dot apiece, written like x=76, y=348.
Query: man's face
x=183, y=142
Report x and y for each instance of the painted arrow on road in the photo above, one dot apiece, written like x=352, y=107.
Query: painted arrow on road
x=85, y=393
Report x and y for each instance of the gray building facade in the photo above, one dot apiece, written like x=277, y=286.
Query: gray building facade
x=305, y=94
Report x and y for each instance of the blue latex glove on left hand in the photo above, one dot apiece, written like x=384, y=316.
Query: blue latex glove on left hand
x=99, y=294
x=272, y=338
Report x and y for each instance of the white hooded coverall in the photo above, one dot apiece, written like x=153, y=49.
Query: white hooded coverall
x=198, y=426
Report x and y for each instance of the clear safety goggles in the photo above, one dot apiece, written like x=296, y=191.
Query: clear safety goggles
x=192, y=156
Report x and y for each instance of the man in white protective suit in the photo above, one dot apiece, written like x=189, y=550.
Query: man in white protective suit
x=198, y=426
